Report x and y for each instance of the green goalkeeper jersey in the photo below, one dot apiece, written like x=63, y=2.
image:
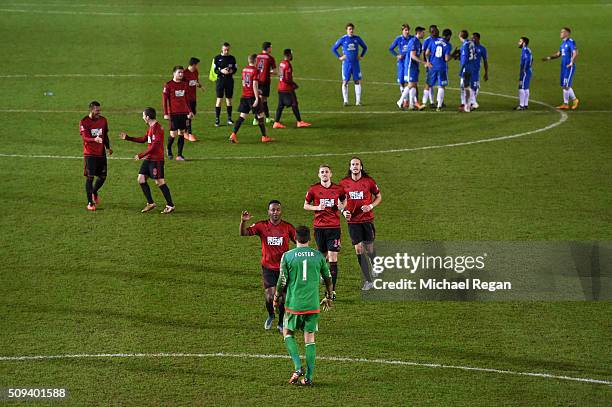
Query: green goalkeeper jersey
x=300, y=270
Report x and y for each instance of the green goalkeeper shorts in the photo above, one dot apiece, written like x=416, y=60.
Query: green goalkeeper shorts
x=302, y=322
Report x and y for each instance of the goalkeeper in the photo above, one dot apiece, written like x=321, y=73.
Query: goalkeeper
x=300, y=270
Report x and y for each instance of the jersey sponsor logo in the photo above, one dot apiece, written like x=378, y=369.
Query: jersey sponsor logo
x=327, y=202
x=356, y=194
x=150, y=139
x=275, y=240
x=193, y=82
x=179, y=93
x=96, y=132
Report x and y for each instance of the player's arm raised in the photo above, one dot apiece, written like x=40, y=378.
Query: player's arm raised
x=245, y=217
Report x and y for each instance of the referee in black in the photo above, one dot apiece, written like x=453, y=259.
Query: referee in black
x=225, y=68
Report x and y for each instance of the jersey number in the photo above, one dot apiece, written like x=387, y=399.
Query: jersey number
x=304, y=269
x=439, y=51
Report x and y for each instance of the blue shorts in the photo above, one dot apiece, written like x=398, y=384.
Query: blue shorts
x=567, y=76
x=412, y=73
x=351, y=68
x=524, y=80
x=439, y=77
x=469, y=79
x=400, y=71
x=429, y=77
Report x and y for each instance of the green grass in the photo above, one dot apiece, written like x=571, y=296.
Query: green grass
x=116, y=281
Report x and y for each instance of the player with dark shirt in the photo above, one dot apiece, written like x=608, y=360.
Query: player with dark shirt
x=153, y=164
x=250, y=101
x=191, y=75
x=94, y=132
x=327, y=200
x=266, y=66
x=224, y=67
x=362, y=196
x=275, y=235
x=176, y=110
x=286, y=91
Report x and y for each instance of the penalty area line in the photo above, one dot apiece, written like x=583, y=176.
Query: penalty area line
x=324, y=358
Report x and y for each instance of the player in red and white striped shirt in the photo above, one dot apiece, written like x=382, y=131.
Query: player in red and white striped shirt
x=286, y=91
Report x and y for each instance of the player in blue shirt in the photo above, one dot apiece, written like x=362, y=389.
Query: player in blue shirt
x=411, y=68
x=481, y=55
x=350, y=61
x=525, y=73
x=401, y=43
x=438, y=54
x=568, y=53
x=467, y=70
x=434, y=33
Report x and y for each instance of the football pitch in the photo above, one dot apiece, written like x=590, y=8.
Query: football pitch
x=125, y=308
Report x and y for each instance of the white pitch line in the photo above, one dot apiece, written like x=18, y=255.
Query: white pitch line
x=182, y=14
x=562, y=119
x=326, y=358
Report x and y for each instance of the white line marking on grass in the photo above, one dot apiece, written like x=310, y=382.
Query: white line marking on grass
x=563, y=117
x=327, y=358
x=182, y=14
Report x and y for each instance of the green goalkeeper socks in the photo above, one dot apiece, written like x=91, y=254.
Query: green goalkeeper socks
x=292, y=348
x=311, y=353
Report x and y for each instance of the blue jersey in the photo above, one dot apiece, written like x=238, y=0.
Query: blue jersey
x=438, y=50
x=567, y=48
x=481, y=55
x=350, y=47
x=401, y=43
x=427, y=42
x=468, y=60
x=526, y=60
x=413, y=45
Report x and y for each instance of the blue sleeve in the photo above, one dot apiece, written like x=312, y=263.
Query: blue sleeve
x=464, y=54
x=447, y=49
x=573, y=45
x=484, y=54
x=523, y=61
x=364, y=47
x=393, y=46
x=335, y=47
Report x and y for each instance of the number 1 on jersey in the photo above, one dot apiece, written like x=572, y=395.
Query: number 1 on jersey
x=304, y=269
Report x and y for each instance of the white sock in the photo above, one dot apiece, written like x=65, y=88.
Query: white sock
x=402, y=89
x=462, y=94
x=345, y=92
x=404, y=96
x=526, y=98
x=440, y=96
x=565, y=96
x=473, y=97
x=521, y=97
x=413, y=97
x=572, y=95
x=425, y=96
x=357, y=94
x=430, y=95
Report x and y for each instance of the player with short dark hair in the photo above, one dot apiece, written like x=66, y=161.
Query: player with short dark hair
x=250, y=101
x=176, y=109
x=411, y=70
x=468, y=70
x=434, y=33
x=275, y=235
x=153, y=163
x=362, y=196
x=266, y=66
x=481, y=56
x=401, y=43
x=568, y=51
x=438, y=54
x=525, y=73
x=224, y=66
x=327, y=200
x=191, y=76
x=94, y=132
x=350, y=58
x=286, y=92
x=301, y=269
